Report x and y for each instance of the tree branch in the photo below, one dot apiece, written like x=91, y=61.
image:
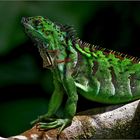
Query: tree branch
x=118, y=121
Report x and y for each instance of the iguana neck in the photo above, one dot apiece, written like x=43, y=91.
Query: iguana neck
x=64, y=58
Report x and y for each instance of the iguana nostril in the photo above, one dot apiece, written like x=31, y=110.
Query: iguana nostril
x=24, y=20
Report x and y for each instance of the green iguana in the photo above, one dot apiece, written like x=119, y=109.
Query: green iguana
x=96, y=73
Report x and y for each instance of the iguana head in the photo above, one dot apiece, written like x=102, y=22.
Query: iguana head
x=48, y=36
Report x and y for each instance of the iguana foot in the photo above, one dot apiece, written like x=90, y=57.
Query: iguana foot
x=45, y=123
x=51, y=123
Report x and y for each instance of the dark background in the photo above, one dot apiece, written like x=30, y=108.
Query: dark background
x=25, y=87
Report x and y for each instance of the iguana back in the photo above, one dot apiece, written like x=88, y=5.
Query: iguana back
x=105, y=75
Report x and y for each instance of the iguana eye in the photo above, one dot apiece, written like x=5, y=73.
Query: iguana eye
x=37, y=22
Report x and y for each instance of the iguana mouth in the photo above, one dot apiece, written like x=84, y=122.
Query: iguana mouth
x=24, y=21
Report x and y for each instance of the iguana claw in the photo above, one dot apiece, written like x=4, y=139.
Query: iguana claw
x=53, y=123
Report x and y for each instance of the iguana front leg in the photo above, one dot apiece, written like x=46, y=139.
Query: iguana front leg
x=48, y=122
x=54, y=104
x=71, y=104
x=70, y=107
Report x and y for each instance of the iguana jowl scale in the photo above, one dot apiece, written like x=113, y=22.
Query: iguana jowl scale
x=96, y=73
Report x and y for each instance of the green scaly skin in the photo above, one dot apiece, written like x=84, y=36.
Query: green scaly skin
x=77, y=67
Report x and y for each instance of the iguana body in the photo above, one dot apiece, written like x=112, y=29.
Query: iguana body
x=79, y=68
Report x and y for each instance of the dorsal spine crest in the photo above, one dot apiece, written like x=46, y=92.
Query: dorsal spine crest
x=88, y=48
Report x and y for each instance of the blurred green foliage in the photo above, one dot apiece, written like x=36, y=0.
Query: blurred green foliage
x=24, y=85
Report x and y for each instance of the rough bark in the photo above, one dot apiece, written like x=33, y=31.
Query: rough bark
x=119, y=121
